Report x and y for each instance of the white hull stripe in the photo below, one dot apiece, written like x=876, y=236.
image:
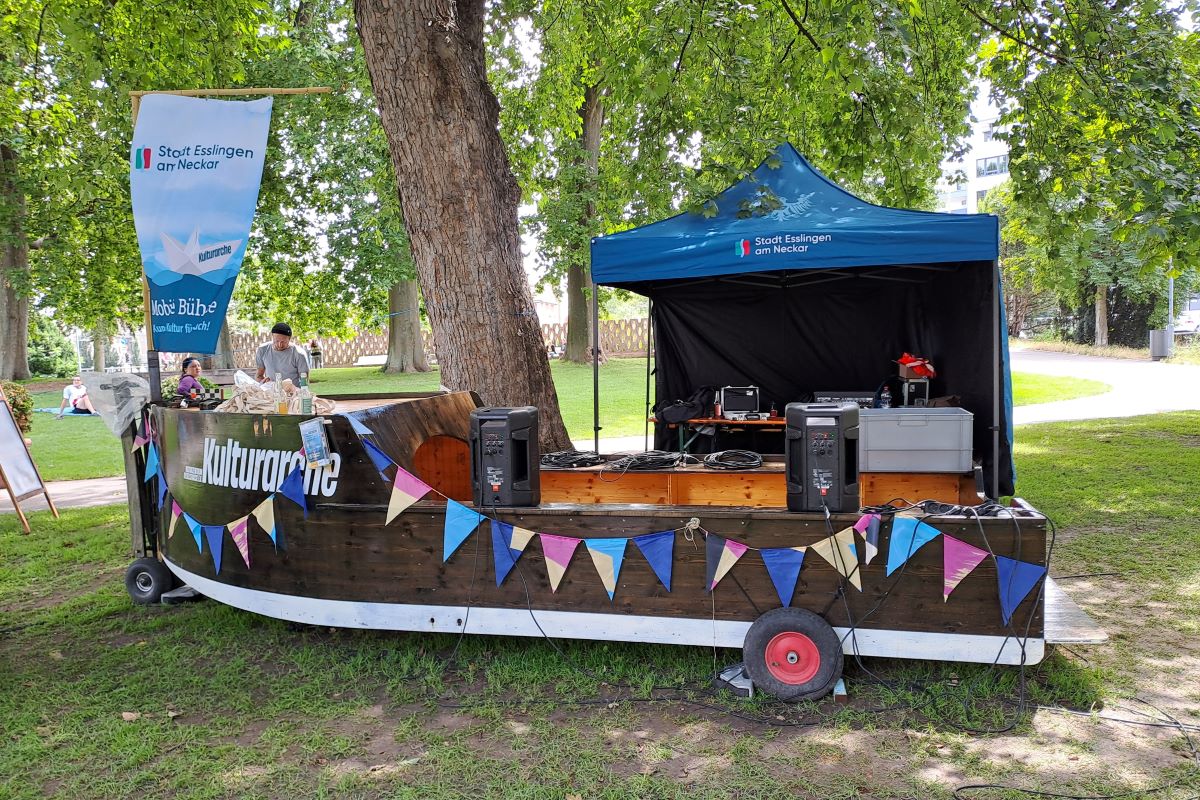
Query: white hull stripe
x=585, y=625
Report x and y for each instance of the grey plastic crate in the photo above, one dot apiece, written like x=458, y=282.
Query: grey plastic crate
x=914, y=440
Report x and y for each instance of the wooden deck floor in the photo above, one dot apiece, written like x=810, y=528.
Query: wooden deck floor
x=1066, y=622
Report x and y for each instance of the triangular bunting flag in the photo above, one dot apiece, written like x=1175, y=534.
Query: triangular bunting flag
x=506, y=547
x=557, y=551
x=238, y=530
x=176, y=511
x=841, y=554
x=214, y=534
x=379, y=458
x=908, y=536
x=607, y=555
x=143, y=434
x=659, y=551
x=142, y=438
x=264, y=514
x=720, y=555
x=1016, y=579
x=194, y=527
x=958, y=560
x=461, y=522
x=293, y=488
x=357, y=426
x=406, y=490
x=162, y=491
x=783, y=565
x=151, y=463
x=871, y=538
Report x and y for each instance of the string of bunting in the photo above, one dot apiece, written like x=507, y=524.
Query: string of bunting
x=908, y=534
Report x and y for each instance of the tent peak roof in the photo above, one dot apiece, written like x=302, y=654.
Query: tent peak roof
x=786, y=215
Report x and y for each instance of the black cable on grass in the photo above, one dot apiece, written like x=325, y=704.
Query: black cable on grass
x=1183, y=730
x=677, y=695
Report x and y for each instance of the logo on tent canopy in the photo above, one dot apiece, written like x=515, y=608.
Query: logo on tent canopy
x=743, y=247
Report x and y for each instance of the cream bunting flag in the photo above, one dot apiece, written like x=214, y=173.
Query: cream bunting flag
x=265, y=516
x=840, y=552
x=406, y=490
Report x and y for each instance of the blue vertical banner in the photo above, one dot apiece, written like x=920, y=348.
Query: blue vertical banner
x=194, y=174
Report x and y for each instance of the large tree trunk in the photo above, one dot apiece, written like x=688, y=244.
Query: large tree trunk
x=99, y=347
x=579, y=279
x=14, y=272
x=224, y=358
x=426, y=62
x=406, y=350
x=1102, y=316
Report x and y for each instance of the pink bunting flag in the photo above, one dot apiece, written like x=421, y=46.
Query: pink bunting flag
x=406, y=490
x=959, y=559
x=240, y=533
x=176, y=512
x=558, y=551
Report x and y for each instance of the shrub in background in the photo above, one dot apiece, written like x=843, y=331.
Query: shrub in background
x=21, y=402
x=50, y=351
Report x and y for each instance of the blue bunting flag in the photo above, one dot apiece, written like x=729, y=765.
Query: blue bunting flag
x=215, y=535
x=461, y=522
x=659, y=551
x=378, y=457
x=194, y=527
x=151, y=463
x=783, y=565
x=1016, y=580
x=293, y=488
x=358, y=427
x=908, y=536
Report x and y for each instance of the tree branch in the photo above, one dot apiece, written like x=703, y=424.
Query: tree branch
x=800, y=24
x=1004, y=32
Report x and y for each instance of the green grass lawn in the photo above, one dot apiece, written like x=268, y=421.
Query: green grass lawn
x=83, y=448
x=102, y=699
x=1029, y=388
x=72, y=447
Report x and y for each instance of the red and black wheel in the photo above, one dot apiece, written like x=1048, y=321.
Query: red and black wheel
x=793, y=654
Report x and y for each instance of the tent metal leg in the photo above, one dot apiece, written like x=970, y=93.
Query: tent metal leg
x=649, y=357
x=997, y=367
x=596, y=365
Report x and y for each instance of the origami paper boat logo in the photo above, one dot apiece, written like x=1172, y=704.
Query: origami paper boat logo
x=192, y=259
x=743, y=248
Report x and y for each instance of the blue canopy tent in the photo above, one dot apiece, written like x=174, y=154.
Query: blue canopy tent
x=795, y=285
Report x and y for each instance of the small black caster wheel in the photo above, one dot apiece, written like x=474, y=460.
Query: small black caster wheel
x=147, y=579
x=793, y=654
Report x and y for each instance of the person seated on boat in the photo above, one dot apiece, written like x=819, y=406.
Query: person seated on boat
x=76, y=395
x=280, y=356
x=189, y=383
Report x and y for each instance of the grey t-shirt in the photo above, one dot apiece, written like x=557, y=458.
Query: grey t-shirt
x=289, y=363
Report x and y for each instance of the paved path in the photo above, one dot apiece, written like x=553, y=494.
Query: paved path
x=1139, y=387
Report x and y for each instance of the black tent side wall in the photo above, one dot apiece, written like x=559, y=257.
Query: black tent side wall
x=832, y=334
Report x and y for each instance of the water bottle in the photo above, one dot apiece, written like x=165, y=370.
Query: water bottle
x=885, y=398
x=306, y=398
x=281, y=403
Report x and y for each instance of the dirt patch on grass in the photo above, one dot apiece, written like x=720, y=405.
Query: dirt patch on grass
x=68, y=584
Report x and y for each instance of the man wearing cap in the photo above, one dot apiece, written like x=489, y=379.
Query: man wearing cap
x=280, y=356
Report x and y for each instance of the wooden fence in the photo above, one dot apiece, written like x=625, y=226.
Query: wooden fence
x=618, y=337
